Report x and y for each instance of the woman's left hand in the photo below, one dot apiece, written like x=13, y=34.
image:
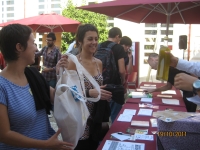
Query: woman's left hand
x=105, y=95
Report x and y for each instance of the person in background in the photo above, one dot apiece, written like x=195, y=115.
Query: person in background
x=153, y=62
x=51, y=55
x=25, y=97
x=87, y=39
x=128, y=59
x=114, y=36
x=2, y=62
x=37, y=61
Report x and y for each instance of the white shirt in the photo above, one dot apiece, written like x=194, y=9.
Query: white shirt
x=189, y=66
x=70, y=47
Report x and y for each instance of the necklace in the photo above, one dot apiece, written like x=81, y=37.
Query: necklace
x=81, y=59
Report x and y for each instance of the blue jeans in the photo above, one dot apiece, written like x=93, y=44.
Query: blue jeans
x=52, y=83
x=115, y=109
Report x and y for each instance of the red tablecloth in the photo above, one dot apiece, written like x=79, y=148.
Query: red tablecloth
x=118, y=126
x=156, y=101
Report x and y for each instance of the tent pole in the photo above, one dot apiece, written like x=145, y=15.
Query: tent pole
x=168, y=18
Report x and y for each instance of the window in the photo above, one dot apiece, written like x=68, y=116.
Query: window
x=163, y=32
x=55, y=5
x=10, y=8
x=110, y=18
x=165, y=25
x=2, y=2
x=2, y=15
x=41, y=0
x=2, y=9
x=10, y=14
x=40, y=45
x=40, y=39
x=148, y=47
x=11, y=2
x=110, y=24
x=41, y=6
x=150, y=32
x=169, y=39
x=2, y=21
x=150, y=39
x=150, y=25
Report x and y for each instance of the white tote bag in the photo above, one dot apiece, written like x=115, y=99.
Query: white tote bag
x=70, y=110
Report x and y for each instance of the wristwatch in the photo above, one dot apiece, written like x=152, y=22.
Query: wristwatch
x=196, y=86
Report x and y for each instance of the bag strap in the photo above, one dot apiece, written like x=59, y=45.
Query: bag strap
x=81, y=70
x=75, y=92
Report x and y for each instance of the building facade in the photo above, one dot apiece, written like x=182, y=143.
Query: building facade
x=150, y=36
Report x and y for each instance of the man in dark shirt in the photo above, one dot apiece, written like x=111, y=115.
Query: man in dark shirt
x=115, y=35
x=153, y=62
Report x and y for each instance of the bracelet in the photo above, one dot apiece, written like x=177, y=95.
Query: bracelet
x=87, y=93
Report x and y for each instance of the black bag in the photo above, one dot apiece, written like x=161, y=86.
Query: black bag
x=109, y=71
x=117, y=92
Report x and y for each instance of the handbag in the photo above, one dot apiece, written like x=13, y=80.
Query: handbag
x=70, y=110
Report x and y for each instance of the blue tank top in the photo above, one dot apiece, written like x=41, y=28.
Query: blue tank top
x=22, y=113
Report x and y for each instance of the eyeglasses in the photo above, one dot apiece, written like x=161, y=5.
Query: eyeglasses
x=49, y=40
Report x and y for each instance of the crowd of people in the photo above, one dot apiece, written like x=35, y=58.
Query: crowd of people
x=27, y=96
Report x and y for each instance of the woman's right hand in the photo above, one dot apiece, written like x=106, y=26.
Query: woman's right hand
x=54, y=143
x=63, y=62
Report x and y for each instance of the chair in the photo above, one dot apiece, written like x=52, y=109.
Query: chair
x=132, y=79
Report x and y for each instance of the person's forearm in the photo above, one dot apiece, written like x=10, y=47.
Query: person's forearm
x=130, y=66
x=163, y=88
x=19, y=140
x=122, y=76
x=188, y=66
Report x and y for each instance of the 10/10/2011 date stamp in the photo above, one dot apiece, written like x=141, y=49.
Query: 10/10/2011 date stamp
x=172, y=133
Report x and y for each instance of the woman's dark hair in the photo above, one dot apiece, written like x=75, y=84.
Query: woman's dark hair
x=81, y=30
x=125, y=40
x=10, y=35
x=51, y=35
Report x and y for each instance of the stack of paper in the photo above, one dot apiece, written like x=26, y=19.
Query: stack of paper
x=170, y=101
x=115, y=145
x=169, y=92
x=166, y=96
x=145, y=112
x=121, y=137
x=127, y=115
x=148, y=100
x=140, y=123
x=138, y=94
x=148, y=87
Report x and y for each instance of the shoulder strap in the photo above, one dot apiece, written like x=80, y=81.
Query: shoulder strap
x=111, y=45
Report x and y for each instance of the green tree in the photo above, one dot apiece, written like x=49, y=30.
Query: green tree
x=83, y=16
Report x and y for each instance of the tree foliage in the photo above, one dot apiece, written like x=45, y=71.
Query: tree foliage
x=83, y=16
